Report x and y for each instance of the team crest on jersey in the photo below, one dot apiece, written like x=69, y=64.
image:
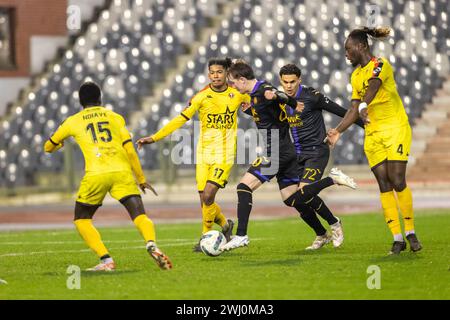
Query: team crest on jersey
x=223, y=120
x=231, y=95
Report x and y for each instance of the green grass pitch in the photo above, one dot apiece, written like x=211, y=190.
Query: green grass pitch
x=274, y=266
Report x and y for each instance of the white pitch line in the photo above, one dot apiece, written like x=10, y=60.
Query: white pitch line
x=14, y=243
x=16, y=254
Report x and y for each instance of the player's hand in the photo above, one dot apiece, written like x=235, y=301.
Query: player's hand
x=270, y=95
x=364, y=115
x=147, y=185
x=300, y=107
x=142, y=141
x=332, y=137
x=245, y=106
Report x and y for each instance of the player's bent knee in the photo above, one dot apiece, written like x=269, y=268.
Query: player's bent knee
x=134, y=205
x=84, y=211
x=243, y=188
x=290, y=202
x=399, y=186
x=208, y=198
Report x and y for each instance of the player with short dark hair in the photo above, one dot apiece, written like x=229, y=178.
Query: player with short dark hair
x=387, y=139
x=308, y=133
x=110, y=163
x=280, y=160
x=217, y=105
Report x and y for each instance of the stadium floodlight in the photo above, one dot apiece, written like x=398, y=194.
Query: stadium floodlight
x=12, y=168
x=125, y=39
x=18, y=110
x=349, y=87
x=15, y=140
x=41, y=111
x=56, y=68
x=133, y=79
x=69, y=55
x=101, y=67
x=145, y=65
x=303, y=61
x=53, y=95
x=135, y=52
x=28, y=125
x=78, y=68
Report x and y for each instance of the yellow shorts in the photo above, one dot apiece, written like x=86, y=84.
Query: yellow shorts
x=93, y=188
x=214, y=173
x=392, y=145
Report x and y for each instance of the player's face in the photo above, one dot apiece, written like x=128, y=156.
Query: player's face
x=290, y=83
x=239, y=84
x=352, y=51
x=218, y=76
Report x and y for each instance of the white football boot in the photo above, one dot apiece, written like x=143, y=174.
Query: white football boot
x=341, y=178
x=320, y=241
x=236, y=242
x=337, y=234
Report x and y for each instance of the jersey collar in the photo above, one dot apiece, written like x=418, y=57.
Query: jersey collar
x=210, y=86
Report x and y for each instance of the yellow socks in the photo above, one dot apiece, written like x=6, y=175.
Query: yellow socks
x=405, y=203
x=91, y=236
x=145, y=227
x=220, y=219
x=389, y=204
x=209, y=214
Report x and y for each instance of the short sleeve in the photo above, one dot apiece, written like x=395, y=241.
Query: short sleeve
x=381, y=70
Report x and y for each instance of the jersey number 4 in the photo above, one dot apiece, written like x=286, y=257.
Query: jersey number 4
x=102, y=130
x=400, y=149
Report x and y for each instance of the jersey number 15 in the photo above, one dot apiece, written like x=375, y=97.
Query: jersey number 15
x=103, y=131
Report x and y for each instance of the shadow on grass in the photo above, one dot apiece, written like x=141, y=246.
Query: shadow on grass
x=404, y=257
x=102, y=273
x=271, y=262
x=91, y=273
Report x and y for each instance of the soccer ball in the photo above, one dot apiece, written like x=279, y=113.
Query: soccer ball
x=211, y=242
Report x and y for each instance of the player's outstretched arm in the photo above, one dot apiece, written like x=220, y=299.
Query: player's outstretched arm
x=334, y=108
x=282, y=97
x=173, y=125
x=350, y=117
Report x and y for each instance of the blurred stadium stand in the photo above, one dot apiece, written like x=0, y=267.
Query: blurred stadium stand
x=143, y=50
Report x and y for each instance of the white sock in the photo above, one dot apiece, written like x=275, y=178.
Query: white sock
x=150, y=244
x=398, y=237
x=108, y=260
x=409, y=232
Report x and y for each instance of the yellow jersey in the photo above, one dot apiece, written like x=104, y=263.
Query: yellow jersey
x=386, y=110
x=218, y=123
x=101, y=134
